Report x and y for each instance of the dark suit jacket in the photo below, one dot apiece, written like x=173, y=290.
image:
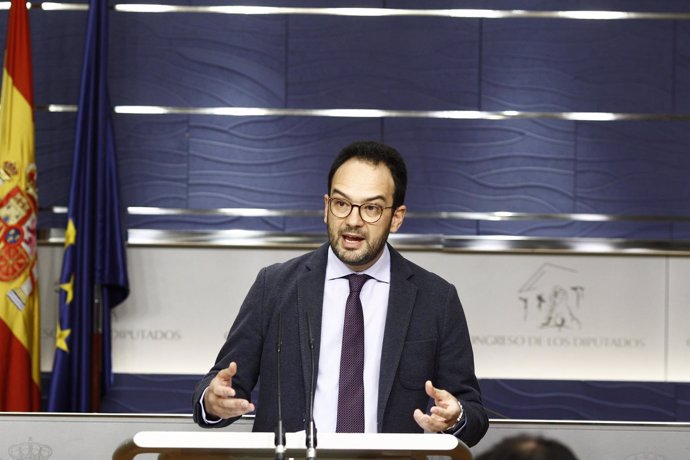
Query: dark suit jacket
x=426, y=338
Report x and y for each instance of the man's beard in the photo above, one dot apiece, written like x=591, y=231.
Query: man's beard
x=369, y=252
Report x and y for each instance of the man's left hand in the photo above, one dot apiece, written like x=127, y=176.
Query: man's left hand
x=443, y=415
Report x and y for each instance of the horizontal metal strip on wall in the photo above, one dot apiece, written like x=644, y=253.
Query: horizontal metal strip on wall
x=382, y=12
x=368, y=12
x=425, y=242
x=444, y=215
x=376, y=113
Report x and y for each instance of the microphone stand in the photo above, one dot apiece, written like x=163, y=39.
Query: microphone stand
x=311, y=427
x=280, y=432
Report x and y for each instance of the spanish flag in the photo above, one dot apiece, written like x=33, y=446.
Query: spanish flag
x=19, y=315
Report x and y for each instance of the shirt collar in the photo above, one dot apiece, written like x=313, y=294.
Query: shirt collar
x=380, y=271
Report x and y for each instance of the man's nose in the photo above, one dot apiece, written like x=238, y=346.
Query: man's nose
x=354, y=218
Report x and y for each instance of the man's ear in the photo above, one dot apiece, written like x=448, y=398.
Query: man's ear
x=398, y=217
x=325, y=209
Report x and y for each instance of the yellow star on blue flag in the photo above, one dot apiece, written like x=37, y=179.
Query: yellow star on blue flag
x=68, y=287
x=61, y=338
x=70, y=233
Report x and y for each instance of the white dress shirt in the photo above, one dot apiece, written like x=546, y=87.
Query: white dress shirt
x=374, y=298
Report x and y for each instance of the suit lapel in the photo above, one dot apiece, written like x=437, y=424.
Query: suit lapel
x=310, y=300
x=400, y=303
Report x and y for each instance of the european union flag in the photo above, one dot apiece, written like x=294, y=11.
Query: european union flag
x=94, y=272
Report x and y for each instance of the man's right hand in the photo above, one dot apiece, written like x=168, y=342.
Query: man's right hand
x=219, y=399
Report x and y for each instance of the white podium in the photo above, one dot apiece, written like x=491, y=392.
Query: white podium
x=233, y=445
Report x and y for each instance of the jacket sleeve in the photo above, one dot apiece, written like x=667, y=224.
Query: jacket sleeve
x=455, y=371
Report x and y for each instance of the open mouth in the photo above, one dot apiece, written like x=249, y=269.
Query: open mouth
x=352, y=240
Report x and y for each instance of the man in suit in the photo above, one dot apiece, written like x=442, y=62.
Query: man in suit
x=418, y=366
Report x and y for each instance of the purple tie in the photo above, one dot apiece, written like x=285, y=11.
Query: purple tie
x=351, y=385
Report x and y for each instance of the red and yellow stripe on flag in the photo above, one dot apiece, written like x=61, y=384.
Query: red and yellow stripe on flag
x=19, y=315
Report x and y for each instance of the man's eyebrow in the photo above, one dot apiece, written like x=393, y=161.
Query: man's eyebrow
x=368, y=200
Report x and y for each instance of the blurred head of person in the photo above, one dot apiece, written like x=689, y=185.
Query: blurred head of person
x=527, y=447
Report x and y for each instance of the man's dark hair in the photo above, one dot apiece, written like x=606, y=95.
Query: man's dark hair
x=375, y=153
x=526, y=447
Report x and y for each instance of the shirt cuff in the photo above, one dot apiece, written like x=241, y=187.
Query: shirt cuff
x=460, y=424
x=203, y=411
x=456, y=429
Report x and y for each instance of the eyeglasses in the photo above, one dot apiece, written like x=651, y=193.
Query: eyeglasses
x=369, y=212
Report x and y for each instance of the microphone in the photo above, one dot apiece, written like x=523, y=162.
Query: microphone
x=311, y=427
x=280, y=432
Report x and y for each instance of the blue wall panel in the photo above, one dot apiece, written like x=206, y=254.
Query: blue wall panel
x=580, y=400
x=384, y=63
x=267, y=162
x=484, y=166
x=633, y=168
x=54, y=141
x=54, y=153
x=683, y=401
x=565, y=65
x=57, y=40
x=489, y=165
x=153, y=160
x=681, y=230
x=682, y=83
x=196, y=60
x=206, y=162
